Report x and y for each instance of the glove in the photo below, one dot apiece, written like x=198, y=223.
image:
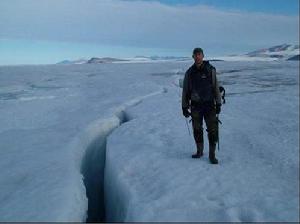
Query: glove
x=218, y=108
x=185, y=112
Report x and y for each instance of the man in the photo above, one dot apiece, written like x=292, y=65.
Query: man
x=201, y=95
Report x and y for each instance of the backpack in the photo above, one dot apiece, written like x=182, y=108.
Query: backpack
x=222, y=91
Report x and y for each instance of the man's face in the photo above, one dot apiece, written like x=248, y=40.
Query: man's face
x=198, y=58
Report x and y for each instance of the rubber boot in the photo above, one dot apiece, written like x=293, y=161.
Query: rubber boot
x=212, y=156
x=199, y=152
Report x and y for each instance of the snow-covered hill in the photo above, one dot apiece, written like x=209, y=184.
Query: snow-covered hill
x=96, y=60
x=294, y=58
x=79, y=61
x=155, y=58
x=274, y=53
x=283, y=51
x=93, y=60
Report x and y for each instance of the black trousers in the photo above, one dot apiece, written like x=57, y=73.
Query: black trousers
x=206, y=112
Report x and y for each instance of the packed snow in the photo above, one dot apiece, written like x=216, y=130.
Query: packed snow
x=51, y=116
x=73, y=134
x=150, y=175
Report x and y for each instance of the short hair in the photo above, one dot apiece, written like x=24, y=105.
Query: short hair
x=197, y=50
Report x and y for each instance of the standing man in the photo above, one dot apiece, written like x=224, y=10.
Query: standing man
x=201, y=95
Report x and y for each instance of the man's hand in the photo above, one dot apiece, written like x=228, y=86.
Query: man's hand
x=218, y=108
x=185, y=112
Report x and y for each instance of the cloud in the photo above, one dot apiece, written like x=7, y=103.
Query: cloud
x=143, y=24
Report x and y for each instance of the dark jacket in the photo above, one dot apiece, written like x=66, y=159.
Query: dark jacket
x=200, y=85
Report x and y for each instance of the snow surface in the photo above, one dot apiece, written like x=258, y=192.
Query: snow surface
x=150, y=175
x=55, y=119
x=50, y=116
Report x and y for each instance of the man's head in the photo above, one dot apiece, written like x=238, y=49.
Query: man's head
x=198, y=55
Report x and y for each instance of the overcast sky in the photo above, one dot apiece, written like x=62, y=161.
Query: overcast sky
x=45, y=31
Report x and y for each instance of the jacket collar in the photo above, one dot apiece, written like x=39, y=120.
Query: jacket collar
x=204, y=64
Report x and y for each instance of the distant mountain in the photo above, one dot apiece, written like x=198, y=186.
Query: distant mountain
x=79, y=61
x=283, y=51
x=216, y=60
x=278, y=52
x=96, y=60
x=104, y=60
x=64, y=62
x=155, y=57
x=93, y=60
x=294, y=58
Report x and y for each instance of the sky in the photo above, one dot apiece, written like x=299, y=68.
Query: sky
x=283, y=7
x=48, y=31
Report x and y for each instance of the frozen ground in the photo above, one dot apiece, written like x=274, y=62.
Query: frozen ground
x=149, y=158
x=53, y=118
x=54, y=123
